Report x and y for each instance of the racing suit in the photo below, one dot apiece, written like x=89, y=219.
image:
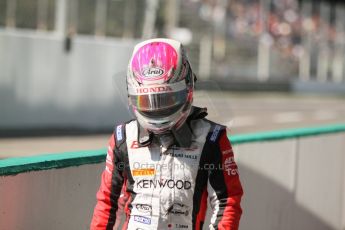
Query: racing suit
x=168, y=189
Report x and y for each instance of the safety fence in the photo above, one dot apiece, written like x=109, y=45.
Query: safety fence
x=54, y=95
x=293, y=179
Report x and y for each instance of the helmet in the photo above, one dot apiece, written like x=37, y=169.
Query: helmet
x=160, y=85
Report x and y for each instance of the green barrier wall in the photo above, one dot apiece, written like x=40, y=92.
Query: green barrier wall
x=12, y=166
x=292, y=179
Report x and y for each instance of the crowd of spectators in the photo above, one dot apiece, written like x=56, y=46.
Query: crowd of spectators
x=282, y=22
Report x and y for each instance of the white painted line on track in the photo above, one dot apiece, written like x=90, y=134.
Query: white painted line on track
x=242, y=121
x=287, y=117
x=324, y=115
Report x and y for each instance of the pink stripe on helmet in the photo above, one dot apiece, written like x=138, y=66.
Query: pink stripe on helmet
x=154, y=61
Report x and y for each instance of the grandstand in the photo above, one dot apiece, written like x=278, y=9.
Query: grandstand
x=255, y=39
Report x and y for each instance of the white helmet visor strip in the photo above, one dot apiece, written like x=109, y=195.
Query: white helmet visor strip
x=158, y=97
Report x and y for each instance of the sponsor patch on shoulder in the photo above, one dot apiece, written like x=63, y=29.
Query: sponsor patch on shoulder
x=119, y=136
x=142, y=219
x=230, y=166
x=215, y=133
x=228, y=151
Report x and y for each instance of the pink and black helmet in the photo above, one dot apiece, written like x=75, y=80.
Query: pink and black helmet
x=160, y=84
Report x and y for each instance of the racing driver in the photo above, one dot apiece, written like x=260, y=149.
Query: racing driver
x=163, y=166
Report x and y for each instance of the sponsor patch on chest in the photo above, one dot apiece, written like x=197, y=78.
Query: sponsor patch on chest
x=142, y=219
x=192, y=156
x=144, y=172
x=164, y=183
x=178, y=209
x=144, y=208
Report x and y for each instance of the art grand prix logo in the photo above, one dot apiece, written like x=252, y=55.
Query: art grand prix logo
x=152, y=72
x=230, y=166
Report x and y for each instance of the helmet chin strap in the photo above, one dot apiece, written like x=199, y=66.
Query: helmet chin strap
x=144, y=136
x=166, y=140
x=182, y=136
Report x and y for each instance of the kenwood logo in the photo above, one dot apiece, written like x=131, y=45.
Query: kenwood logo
x=157, y=89
x=153, y=72
x=179, y=184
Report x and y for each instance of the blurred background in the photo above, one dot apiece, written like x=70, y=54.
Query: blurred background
x=261, y=65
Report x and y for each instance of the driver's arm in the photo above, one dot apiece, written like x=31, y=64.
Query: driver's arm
x=224, y=186
x=104, y=216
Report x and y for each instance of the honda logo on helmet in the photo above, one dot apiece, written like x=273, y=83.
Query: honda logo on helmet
x=152, y=72
x=157, y=89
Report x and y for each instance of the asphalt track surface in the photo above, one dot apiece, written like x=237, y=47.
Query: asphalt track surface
x=241, y=112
